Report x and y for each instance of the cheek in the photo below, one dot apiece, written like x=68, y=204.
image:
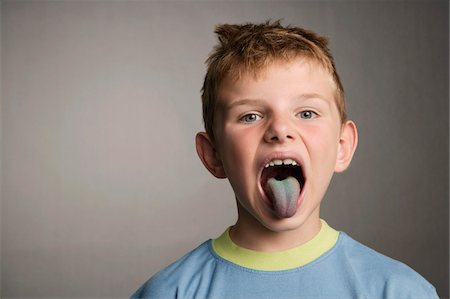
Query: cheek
x=236, y=150
x=323, y=144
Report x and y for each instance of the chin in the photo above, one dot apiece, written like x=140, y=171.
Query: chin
x=276, y=224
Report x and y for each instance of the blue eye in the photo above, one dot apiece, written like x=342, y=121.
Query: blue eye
x=307, y=114
x=250, y=118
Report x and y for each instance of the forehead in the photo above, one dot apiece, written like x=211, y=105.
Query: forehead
x=279, y=79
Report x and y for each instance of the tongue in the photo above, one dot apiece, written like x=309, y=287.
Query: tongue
x=284, y=195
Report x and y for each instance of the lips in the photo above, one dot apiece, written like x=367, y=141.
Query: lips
x=282, y=181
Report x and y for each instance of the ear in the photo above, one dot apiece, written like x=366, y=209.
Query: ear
x=347, y=146
x=209, y=156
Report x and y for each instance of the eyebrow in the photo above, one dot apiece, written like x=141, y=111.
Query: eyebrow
x=260, y=102
x=256, y=102
x=312, y=95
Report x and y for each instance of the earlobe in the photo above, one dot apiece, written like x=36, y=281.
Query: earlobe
x=347, y=146
x=209, y=156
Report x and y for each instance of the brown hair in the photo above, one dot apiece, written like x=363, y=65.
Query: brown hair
x=250, y=48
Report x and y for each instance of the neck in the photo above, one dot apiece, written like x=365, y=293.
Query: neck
x=249, y=233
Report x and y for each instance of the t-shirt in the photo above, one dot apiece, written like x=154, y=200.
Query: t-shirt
x=331, y=265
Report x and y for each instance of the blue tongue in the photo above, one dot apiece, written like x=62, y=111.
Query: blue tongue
x=284, y=195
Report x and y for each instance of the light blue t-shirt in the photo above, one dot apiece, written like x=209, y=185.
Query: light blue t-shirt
x=347, y=270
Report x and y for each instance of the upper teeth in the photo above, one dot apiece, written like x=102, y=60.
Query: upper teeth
x=281, y=162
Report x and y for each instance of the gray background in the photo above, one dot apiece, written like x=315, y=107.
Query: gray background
x=101, y=186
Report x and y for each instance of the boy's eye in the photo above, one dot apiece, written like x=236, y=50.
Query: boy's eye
x=307, y=114
x=250, y=118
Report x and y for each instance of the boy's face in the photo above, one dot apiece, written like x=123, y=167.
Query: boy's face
x=288, y=112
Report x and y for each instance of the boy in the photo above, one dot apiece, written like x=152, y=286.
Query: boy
x=276, y=127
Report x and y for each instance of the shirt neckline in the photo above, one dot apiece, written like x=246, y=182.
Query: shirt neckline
x=276, y=261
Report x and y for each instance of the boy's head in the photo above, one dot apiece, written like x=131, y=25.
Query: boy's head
x=275, y=122
x=250, y=48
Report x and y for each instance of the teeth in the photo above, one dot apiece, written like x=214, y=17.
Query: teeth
x=281, y=162
x=278, y=162
x=287, y=161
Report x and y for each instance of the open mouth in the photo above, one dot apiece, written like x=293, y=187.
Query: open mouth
x=282, y=181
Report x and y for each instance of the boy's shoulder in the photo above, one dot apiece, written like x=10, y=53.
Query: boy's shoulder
x=178, y=275
x=380, y=272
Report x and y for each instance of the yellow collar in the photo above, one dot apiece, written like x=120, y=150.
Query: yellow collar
x=277, y=261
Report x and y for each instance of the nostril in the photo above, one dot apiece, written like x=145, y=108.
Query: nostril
x=280, y=137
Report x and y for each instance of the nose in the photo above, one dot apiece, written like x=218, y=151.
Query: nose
x=279, y=130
